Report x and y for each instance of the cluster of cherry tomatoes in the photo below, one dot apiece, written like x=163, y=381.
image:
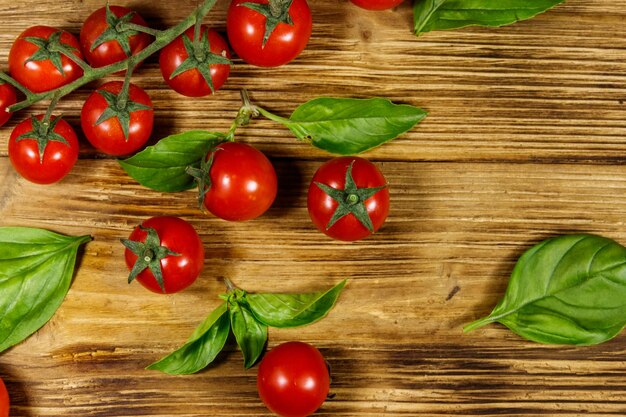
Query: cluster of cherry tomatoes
x=347, y=198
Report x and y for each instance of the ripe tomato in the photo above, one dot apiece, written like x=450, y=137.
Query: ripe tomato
x=293, y=379
x=35, y=61
x=7, y=99
x=247, y=30
x=103, y=41
x=348, y=199
x=125, y=129
x=4, y=400
x=168, y=247
x=58, y=157
x=191, y=72
x=377, y=4
x=243, y=182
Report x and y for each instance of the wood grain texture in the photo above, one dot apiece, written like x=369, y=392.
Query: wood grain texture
x=526, y=139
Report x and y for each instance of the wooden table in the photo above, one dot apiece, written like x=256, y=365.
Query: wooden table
x=525, y=139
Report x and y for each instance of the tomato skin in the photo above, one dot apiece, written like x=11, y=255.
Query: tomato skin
x=179, y=272
x=246, y=29
x=191, y=83
x=322, y=207
x=40, y=76
x=58, y=158
x=110, y=52
x=377, y=4
x=108, y=136
x=7, y=99
x=4, y=400
x=293, y=379
x=243, y=182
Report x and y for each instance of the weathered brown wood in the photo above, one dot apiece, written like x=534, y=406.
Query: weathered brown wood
x=525, y=140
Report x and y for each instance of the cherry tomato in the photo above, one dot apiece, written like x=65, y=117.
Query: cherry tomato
x=365, y=199
x=192, y=83
x=7, y=99
x=243, y=182
x=32, y=64
x=4, y=400
x=293, y=379
x=246, y=32
x=377, y=4
x=120, y=44
x=58, y=157
x=109, y=136
x=177, y=236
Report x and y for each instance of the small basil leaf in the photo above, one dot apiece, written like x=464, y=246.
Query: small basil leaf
x=251, y=335
x=36, y=269
x=292, y=310
x=566, y=290
x=201, y=348
x=429, y=15
x=162, y=167
x=347, y=126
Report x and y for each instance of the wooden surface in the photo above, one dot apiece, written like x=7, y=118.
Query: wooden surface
x=526, y=139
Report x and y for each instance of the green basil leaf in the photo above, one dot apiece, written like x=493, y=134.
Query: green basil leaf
x=251, y=335
x=566, y=290
x=292, y=310
x=207, y=340
x=162, y=167
x=347, y=126
x=429, y=15
x=36, y=269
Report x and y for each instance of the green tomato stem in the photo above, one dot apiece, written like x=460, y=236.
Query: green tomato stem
x=140, y=28
x=46, y=118
x=162, y=38
x=7, y=78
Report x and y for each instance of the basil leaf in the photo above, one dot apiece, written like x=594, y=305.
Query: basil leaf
x=207, y=340
x=292, y=310
x=251, y=335
x=429, y=15
x=566, y=290
x=36, y=269
x=347, y=126
x=162, y=167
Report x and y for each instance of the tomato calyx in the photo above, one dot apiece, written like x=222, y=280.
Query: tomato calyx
x=43, y=132
x=149, y=255
x=275, y=12
x=350, y=200
x=117, y=30
x=202, y=175
x=51, y=49
x=120, y=106
x=200, y=57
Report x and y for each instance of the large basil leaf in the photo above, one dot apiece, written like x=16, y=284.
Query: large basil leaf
x=431, y=15
x=207, y=340
x=566, y=290
x=251, y=335
x=162, y=167
x=292, y=310
x=347, y=126
x=36, y=269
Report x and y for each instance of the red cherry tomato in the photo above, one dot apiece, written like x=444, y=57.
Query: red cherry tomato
x=111, y=51
x=108, y=136
x=177, y=235
x=58, y=158
x=377, y=4
x=293, y=379
x=30, y=64
x=4, y=400
x=246, y=31
x=7, y=99
x=243, y=182
x=323, y=206
x=191, y=83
